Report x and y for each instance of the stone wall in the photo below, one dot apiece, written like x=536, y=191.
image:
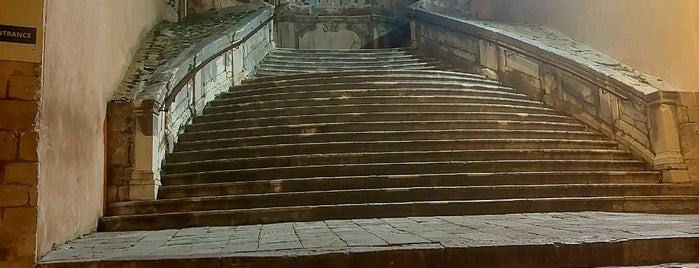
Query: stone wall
x=334, y=24
x=643, y=113
x=143, y=128
x=19, y=174
x=341, y=32
x=688, y=113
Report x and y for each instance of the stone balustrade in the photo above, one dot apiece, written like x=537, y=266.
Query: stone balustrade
x=657, y=121
x=144, y=127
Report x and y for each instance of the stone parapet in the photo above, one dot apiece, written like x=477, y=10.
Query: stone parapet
x=643, y=113
x=143, y=124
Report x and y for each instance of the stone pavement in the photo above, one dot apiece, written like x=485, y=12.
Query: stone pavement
x=512, y=235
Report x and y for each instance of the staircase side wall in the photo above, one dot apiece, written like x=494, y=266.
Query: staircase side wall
x=143, y=130
x=647, y=120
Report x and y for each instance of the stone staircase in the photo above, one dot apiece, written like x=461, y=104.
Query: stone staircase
x=350, y=134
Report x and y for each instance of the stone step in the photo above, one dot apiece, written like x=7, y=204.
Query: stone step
x=393, y=195
x=320, y=93
x=348, y=53
x=375, y=81
x=229, y=156
x=377, y=84
x=384, y=100
x=391, y=116
x=194, y=132
x=377, y=108
x=356, y=51
x=227, y=172
x=263, y=71
x=342, y=66
x=226, y=121
x=635, y=204
x=431, y=74
x=320, y=57
x=413, y=180
x=465, y=139
x=360, y=63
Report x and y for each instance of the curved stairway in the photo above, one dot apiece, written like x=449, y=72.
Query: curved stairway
x=380, y=133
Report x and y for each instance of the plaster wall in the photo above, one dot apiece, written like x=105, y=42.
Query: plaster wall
x=654, y=36
x=88, y=46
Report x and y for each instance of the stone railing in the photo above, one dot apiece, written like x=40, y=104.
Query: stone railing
x=142, y=130
x=641, y=112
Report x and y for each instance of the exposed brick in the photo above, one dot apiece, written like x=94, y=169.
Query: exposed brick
x=20, y=68
x=21, y=219
x=28, y=146
x=23, y=87
x=17, y=264
x=693, y=114
x=33, y=196
x=22, y=173
x=18, y=115
x=3, y=87
x=13, y=196
x=8, y=145
x=689, y=99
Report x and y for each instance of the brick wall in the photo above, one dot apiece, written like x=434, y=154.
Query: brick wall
x=19, y=95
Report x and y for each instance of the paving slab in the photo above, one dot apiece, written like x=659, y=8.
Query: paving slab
x=586, y=239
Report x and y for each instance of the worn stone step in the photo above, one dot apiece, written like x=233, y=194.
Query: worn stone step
x=323, y=93
x=410, y=81
x=226, y=172
x=357, y=74
x=636, y=204
x=342, y=66
x=194, y=132
x=392, y=116
x=412, y=180
x=355, y=51
x=378, y=108
x=263, y=71
x=425, y=139
x=337, y=56
x=226, y=121
x=391, y=195
x=389, y=166
x=331, y=53
x=378, y=84
x=358, y=63
x=217, y=156
x=385, y=100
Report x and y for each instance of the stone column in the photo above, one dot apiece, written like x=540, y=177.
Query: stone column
x=145, y=178
x=664, y=136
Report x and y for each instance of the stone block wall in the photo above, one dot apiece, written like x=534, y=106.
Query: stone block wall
x=644, y=114
x=688, y=119
x=19, y=106
x=341, y=32
x=339, y=24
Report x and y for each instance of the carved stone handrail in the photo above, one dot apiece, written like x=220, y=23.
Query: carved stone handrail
x=144, y=128
x=170, y=98
x=639, y=111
